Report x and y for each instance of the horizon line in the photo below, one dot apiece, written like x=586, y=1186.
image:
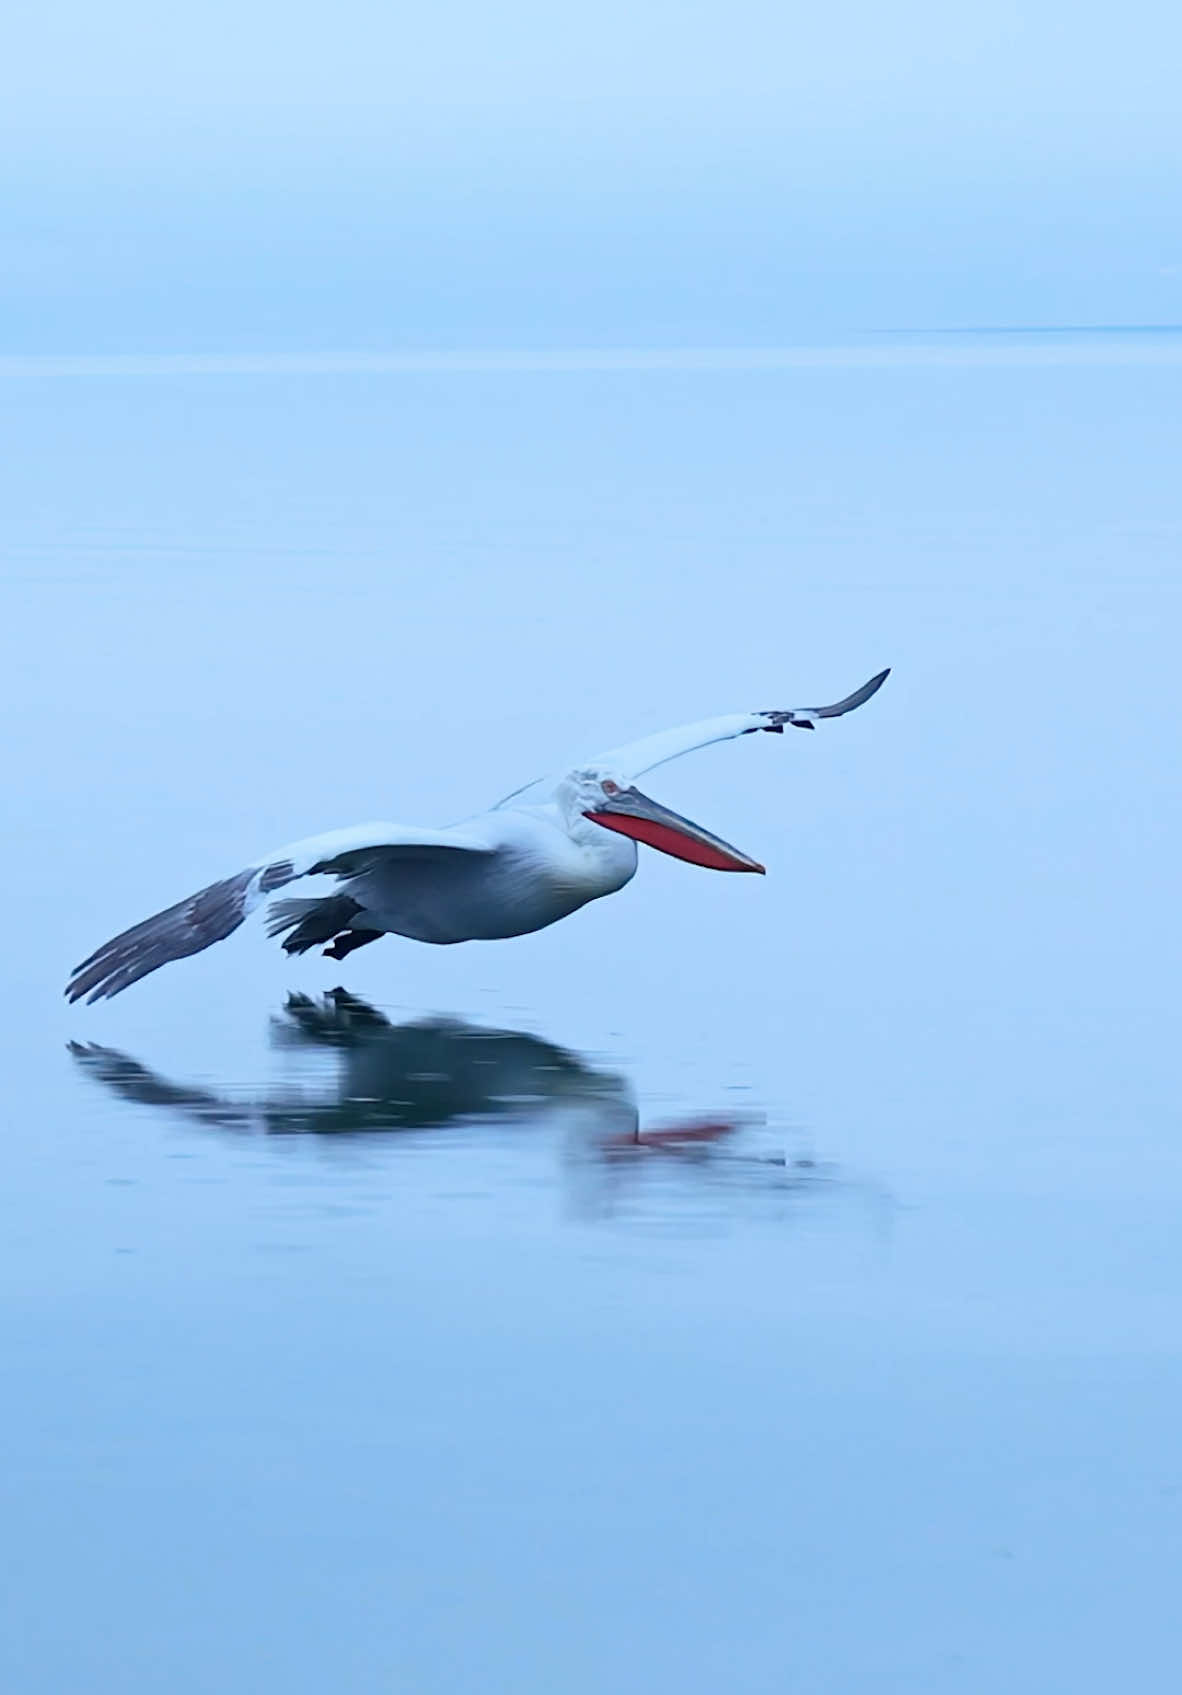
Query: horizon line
x=979, y=345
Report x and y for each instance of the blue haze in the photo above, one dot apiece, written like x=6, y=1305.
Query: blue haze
x=270, y=178
x=393, y=407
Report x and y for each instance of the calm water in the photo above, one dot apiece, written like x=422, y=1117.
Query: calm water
x=759, y=1284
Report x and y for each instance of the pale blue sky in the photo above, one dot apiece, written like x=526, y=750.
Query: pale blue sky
x=377, y=177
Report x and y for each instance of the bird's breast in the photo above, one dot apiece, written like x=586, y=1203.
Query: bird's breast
x=536, y=876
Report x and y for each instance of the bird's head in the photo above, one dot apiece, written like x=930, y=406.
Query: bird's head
x=613, y=801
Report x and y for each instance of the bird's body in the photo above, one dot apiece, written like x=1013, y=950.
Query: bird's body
x=537, y=856
x=517, y=870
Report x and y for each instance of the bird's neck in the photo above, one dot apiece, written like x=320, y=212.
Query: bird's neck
x=610, y=857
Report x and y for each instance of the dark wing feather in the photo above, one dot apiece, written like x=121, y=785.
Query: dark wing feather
x=354, y=862
x=191, y=925
x=214, y=913
x=858, y=698
x=803, y=717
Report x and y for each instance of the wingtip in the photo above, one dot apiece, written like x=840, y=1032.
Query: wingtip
x=852, y=701
x=862, y=695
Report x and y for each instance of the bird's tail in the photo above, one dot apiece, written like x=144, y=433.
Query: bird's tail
x=310, y=922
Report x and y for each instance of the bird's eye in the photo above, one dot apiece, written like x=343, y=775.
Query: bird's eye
x=610, y=788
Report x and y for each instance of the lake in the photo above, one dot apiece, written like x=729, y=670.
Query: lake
x=749, y=1283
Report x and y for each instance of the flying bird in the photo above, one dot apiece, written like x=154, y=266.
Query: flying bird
x=537, y=856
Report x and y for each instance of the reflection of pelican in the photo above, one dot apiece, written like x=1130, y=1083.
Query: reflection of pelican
x=421, y=1075
x=388, y=1076
x=435, y=1072
x=537, y=856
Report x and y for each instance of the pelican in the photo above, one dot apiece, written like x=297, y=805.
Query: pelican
x=535, y=857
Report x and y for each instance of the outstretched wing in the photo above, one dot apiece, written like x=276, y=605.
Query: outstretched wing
x=635, y=758
x=214, y=913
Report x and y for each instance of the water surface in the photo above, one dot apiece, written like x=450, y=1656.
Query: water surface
x=752, y=1283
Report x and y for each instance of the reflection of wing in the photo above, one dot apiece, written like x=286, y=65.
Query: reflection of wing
x=134, y=1082
x=214, y=913
x=635, y=758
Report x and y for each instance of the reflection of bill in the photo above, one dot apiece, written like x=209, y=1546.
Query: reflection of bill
x=432, y=1073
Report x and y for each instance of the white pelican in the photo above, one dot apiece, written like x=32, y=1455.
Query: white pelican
x=538, y=855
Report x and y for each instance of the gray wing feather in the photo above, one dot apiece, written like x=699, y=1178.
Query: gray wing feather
x=214, y=913
x=191, y=925
x=805, y=717
x=858, y=698
x=355, y=861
